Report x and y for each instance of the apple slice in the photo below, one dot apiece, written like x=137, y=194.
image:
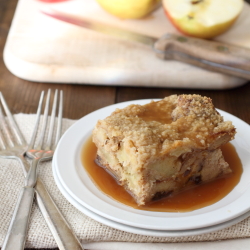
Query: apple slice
x=202, y=18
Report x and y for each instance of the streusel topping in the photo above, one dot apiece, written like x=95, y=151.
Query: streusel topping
x=160, y=127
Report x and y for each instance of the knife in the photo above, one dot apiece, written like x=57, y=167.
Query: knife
x=207, y=54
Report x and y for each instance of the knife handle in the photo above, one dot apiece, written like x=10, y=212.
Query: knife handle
x=210, y=55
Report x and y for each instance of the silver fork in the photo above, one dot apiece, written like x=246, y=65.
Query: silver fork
x=15, y=238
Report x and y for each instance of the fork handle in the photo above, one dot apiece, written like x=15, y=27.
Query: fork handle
x=63, y=234
x=59, y=227
x=17, y=232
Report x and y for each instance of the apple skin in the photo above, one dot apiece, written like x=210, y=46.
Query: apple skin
x=202, y=18
x=189, y=28
x=129, y=9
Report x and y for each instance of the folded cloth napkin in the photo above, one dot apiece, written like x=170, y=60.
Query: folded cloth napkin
x=87, y=229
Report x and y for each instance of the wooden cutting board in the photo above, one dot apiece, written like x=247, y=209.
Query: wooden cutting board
x=40, y=48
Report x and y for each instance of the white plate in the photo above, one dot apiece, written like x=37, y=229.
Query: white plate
x=75, y=180
x=143, y=231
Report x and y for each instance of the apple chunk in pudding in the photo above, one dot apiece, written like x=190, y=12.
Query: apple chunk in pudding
x=163, y=147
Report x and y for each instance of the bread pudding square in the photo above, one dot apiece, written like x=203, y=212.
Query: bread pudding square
x=163, y=147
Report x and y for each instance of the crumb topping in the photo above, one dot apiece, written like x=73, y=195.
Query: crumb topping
x=159, y=128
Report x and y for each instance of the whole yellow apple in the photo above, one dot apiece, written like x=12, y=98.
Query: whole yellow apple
x=129, y=9
x=203, y=18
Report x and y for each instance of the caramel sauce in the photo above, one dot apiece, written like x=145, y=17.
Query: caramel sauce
x=195, y=198
x=154, y=112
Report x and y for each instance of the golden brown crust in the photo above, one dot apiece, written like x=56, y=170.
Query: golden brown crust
x=135, y=139
x=195, y=123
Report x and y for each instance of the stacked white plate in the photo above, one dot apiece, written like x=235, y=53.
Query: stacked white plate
x=78, y=188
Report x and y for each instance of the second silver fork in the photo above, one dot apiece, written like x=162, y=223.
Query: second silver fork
x=15, y=238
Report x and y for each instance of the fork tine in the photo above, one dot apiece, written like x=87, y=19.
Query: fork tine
x=15, y=129
x=59, y=121
x=2, y=139
x=8, y=138
x=52, y=121
x=38, y=114
x=44, y=124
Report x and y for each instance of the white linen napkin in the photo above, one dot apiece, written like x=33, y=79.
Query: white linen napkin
x=86, y=229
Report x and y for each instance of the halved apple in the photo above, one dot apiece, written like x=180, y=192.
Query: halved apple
x=203, y=18
x=129, y=9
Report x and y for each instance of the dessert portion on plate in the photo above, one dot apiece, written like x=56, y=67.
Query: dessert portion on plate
x=163, y=147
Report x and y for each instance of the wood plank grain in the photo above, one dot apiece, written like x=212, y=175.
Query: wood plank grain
x=23, y=96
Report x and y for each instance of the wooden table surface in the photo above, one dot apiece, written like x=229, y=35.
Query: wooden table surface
x=80, y=100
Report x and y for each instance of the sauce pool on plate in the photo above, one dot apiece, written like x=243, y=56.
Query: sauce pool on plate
x=189, y=200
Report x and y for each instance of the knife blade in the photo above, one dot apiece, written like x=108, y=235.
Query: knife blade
x=207, y=54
